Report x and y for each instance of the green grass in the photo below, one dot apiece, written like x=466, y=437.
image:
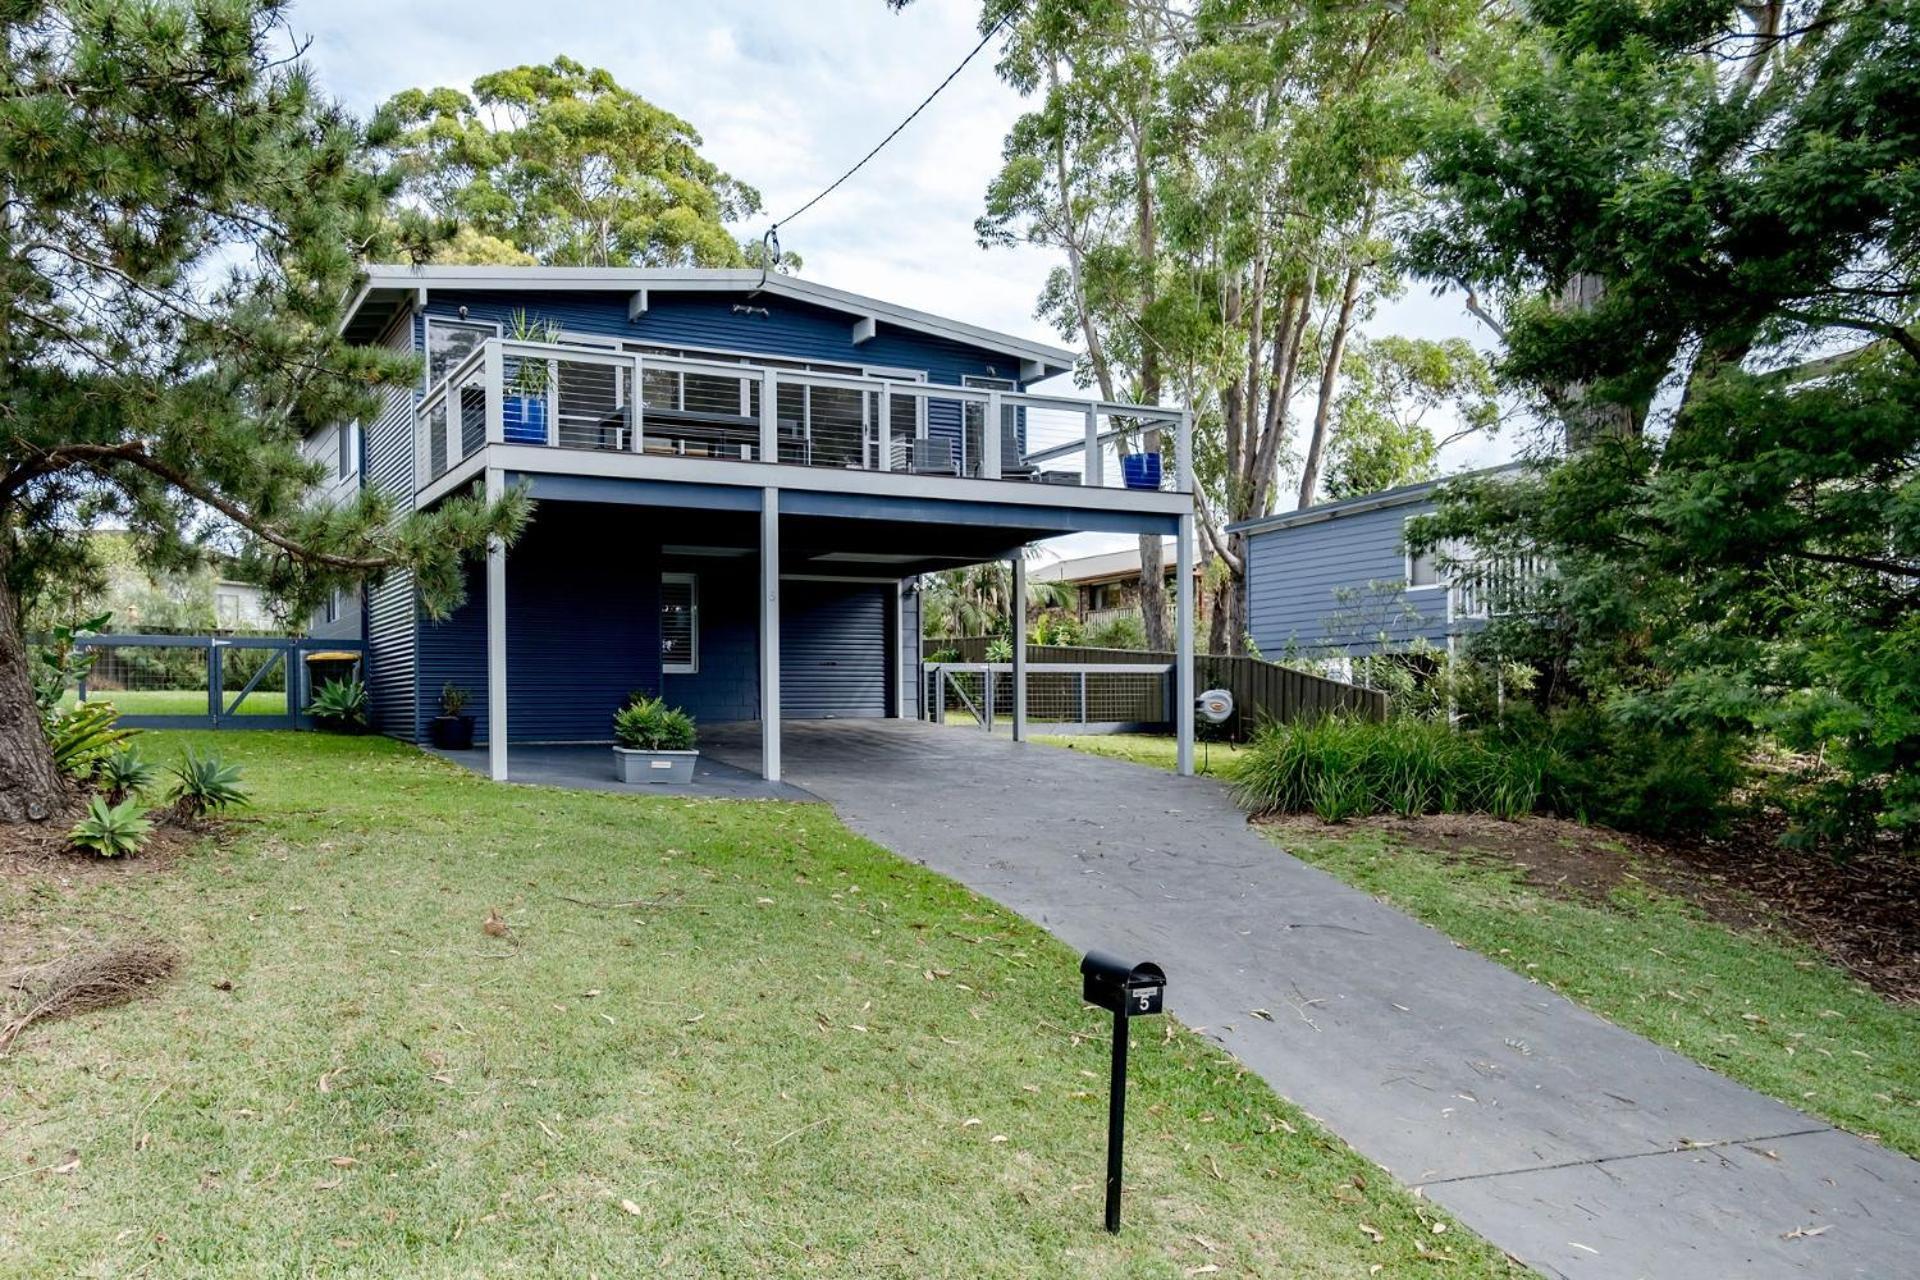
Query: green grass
x=724, y=1038
x=1756, y=1006
x=1146, y=748
x=185, y=702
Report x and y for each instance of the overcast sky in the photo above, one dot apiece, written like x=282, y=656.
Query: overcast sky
x=786, y=95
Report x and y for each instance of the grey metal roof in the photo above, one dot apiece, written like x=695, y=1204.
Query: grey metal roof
x=388, y=284
x=1395, y=497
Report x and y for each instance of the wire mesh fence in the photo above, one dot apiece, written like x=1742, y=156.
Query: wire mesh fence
x=1094, y=696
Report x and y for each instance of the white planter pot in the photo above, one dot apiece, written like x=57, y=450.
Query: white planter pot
x=662, y=767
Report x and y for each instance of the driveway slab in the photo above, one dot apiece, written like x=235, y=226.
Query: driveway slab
x=1579, y=1147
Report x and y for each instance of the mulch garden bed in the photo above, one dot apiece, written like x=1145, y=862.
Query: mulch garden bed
x=1863, y=913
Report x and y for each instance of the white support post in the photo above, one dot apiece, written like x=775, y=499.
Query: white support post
x=496, y=640
x=1183, y=644
x=885, y=432
x=905, y=660
x=770, y=634
x=1092, y=476
x=637, y=398
x=769, y=417
x=1183, y=453
x=494, y=371
x=990, y=445
x=1019, y=644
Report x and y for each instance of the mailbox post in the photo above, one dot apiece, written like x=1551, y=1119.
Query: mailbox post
x=1128, y=991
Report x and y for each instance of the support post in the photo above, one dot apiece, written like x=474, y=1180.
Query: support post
x=1019, y=643
x=1183, y=643
x=769, y=623
x=494, y=379
x=637, y=397
x=769, y=417
x=1183, y=453
x=496, y=639
x=884, y=428
x=990, y=443
x=1116, y=1118
x=1092, y=475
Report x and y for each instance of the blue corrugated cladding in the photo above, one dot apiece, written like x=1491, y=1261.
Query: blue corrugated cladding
x=390, y=603
x=1296, y=578
x=835, y=653
x=583, y=627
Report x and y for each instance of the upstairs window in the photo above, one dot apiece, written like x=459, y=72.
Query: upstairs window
x=451, y=341
x=679, y=624
x=347, y=442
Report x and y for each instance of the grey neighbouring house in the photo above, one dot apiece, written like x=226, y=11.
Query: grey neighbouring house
x=738, y=477
x=1337, y=580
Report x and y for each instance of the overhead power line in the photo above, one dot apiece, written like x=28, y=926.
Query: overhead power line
x=991, y=33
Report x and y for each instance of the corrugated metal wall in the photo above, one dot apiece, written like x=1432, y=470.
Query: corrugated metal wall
x=727, y=686
x=835, y=652
x=1295, y=575
x=388, y=468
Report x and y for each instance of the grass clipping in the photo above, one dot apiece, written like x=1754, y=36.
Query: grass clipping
x=83, y=981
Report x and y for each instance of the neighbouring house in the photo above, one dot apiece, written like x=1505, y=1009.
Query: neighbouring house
x=1338, y=580
x=140, y=598
x=1106, y=586
x=738, y=476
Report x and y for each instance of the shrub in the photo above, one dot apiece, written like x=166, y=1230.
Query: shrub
x=111, y=830
x=1000, y=649
x=340, y=704
x=948, y=654
x=649, y=724
x=205, y=783
x=81, y=738
x=1340, y=767
x=453, y=699
x=1125, y=631
x=124, y=773
x=1057, y=626
x=1637, y=776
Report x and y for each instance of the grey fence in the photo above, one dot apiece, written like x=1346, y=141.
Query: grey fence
x=159, y=681
x=1261, y=690
x=1061, y=697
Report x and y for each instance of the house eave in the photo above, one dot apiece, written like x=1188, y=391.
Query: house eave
x=639, y=281
x=1400, y=497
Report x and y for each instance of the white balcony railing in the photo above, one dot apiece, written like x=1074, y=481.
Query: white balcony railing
x=1494, y=587
x=575, y=397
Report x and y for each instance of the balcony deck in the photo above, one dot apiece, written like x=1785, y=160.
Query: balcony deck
x=561, y=410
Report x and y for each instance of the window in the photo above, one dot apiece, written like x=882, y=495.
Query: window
x=226, y=607
x=1433, y=567
x=451, y=341
x=679, y=624
x=347, y=441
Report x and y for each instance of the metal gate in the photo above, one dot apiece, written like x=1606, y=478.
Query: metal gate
x=209, y=682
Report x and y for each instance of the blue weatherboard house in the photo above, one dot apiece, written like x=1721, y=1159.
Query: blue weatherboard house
x=1338, y=580
x=738, y=477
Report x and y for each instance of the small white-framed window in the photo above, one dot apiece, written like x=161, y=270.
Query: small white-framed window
x=347, y=450
x=1433, y=567
x=679, y=624
x=451, y=341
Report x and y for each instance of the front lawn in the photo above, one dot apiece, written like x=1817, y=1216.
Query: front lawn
x=186, y=702
x=719, y=1038
x=1146, y=748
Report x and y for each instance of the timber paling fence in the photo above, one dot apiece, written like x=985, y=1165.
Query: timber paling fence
x=1261, y=690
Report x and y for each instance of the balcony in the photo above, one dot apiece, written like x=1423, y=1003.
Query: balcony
x=562, y=407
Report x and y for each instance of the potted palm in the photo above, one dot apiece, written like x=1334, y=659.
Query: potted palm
x=655, y=742
x=452, y=729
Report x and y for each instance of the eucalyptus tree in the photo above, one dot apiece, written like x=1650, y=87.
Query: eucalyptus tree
x=560, y=164
x=184, y=221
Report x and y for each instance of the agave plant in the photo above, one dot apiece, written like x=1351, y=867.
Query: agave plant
x=111, y=830
x=125, y=773
x=340, y=704
x=205, y=783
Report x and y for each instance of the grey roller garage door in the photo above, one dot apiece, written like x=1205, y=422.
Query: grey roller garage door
x=833, y=649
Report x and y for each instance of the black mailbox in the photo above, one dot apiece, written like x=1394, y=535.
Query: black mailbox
x=1130, y=990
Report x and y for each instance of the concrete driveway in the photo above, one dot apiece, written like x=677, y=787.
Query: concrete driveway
x=1578, y=1147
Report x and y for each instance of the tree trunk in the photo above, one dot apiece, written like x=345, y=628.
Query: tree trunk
x=1589, y=419
x=31, y=788
x=1329, y=381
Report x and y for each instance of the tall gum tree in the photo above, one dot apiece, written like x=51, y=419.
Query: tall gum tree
x=184, y=221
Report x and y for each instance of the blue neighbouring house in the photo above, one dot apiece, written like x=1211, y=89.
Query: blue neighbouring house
x=1337, y=579
x=738, y=478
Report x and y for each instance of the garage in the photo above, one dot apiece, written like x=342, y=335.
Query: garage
x=835, y=655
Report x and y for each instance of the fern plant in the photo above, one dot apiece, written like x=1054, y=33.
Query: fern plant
x=125, y=773
x=111, y=830
x=205, y=783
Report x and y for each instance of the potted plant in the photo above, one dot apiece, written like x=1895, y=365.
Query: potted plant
x=451, y=730
x=655, y=742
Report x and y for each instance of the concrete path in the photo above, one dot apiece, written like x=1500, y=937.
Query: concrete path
x=1578, y=1147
